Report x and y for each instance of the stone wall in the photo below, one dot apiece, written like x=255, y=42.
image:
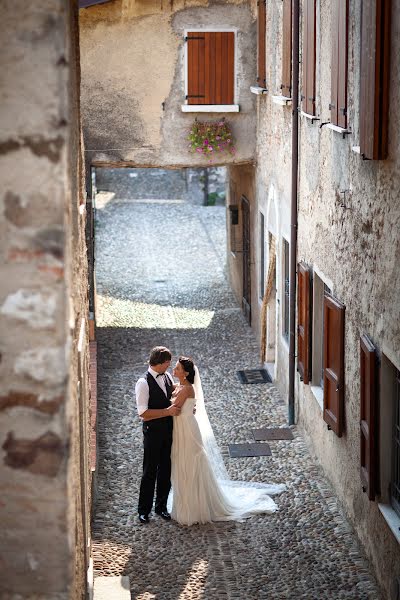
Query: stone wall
x=43, y=305
x=133, y=80
x=351, y=240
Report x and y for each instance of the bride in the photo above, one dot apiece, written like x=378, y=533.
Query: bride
x=201, y=488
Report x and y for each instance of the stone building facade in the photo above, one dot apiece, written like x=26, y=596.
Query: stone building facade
x=44, y=391
x=348, y=248
x=135, y=80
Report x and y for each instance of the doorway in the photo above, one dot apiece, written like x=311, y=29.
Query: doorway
x=246, y=299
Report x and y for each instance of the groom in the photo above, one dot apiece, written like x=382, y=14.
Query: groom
x=153, y=399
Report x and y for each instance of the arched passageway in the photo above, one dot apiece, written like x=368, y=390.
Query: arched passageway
x=161, y=279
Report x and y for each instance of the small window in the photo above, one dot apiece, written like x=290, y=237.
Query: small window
x=286, y=286
x=304, y=303
x=262, y=256
x=368, y=415
x=333, y=376
x=286, y=85
x=340, y=22
x=374, y=80
x=309, y=57
x=261, y=66
x=210, y=67
x=395, y=479
x=389, y=437
x=319, y=289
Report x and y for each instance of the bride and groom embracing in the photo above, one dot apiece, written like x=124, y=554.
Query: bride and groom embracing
x=180, y=448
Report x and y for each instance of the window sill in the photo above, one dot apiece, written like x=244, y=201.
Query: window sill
x=391, y=518
x=318, y=394
x=220, y=108
x=338, y=129
x=281, y=100
x=260, y=91
x=311, y=118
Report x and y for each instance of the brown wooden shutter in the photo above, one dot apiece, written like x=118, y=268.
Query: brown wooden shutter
x=304, y=322
x=261, y=69
x=286, y=85
x=334, y=364
x=374, y=91
x=368, y=416
x=196, y=68
x=211, y=57
x=338, y=104
x=309, y=50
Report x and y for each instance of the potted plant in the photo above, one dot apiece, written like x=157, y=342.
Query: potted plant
x=211, y=138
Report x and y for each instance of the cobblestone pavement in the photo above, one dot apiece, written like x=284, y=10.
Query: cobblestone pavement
x=161, y=280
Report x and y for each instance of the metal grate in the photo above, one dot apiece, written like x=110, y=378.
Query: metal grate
x=272, y=433
x=244, y=450
x=395, y=483
x=254, y=376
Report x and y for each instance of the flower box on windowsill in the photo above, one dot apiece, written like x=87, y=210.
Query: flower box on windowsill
x=210, y=108
x=281, y=100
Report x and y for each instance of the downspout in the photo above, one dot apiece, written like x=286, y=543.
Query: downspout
x=293, y=211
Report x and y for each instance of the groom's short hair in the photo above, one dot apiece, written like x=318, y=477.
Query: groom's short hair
x=159, y=355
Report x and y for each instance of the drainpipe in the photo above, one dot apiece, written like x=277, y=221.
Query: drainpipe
x=293, y=211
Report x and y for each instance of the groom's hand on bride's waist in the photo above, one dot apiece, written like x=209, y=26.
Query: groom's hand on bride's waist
x=173, y=410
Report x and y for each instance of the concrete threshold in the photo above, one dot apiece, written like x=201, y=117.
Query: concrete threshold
x=112, y=588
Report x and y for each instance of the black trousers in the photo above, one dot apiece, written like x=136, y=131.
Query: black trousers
x=157, y=444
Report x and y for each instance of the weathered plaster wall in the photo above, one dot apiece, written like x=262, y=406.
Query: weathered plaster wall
x=133, y=65
x=356, y=248
x=42, y=301
x=273, y=183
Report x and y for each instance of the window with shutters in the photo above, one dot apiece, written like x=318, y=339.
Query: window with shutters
x=304, y=303
x=368, y=416
x=374, y=78
x=309, y=57
x=286, y=287
x=319, y=288
x=339, y=56
x=261, y=48
x=333, y=374
x=395, y=482
x=286, y=85
x=210, y=72
x=389, y=441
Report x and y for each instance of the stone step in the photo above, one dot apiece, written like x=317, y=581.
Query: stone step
x=112, y=588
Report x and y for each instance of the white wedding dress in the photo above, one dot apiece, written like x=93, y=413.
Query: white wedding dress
x=201, y=488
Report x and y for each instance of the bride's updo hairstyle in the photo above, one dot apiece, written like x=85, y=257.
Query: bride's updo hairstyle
x=188, y=365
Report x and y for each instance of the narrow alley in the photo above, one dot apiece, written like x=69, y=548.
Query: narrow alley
x=161, y=279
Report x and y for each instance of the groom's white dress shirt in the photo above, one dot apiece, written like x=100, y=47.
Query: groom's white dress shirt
x=142, y=390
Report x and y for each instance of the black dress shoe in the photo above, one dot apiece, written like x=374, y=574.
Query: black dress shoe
x=164, y=514
x=144, y=518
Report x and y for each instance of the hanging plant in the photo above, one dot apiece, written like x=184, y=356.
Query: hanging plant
x=211, y=138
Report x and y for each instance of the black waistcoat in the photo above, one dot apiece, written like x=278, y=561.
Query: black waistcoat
x=157, y=400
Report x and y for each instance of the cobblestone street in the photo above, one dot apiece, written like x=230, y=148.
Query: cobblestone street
x=161, y=279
